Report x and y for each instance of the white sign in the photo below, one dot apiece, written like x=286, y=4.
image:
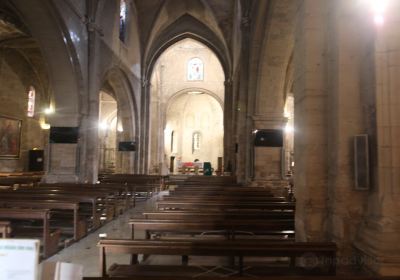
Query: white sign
x=19, y=259
x=61, y=271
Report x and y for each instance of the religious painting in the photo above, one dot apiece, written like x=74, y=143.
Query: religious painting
x=10, y=137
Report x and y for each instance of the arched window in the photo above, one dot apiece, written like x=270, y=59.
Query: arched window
x=31, y=102
x=172, y=141
x=122, y=20
x=195, y=71
x=195, y=141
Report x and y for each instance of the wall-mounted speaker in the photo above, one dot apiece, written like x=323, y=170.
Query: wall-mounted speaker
x=66, y=135
x=127, y=146
x=268, y=138
x=361, y=162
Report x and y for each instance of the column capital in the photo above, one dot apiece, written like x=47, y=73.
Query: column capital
x=145, y=82
x=245, y=22
x=228, y=82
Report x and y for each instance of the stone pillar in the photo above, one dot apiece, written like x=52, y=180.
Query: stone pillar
x=267, y=161
x=78, y=162
x=310, y=140
x=379, y=237
x=89, y=143
x=346, y=50
x=144, y=127
x=229, y=141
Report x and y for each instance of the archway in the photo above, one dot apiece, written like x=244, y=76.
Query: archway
x=187, y=91
x=118, y=123
x=193, y=131
x=108, y=126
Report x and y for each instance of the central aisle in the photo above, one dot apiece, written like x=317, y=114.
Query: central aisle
x=86, y=253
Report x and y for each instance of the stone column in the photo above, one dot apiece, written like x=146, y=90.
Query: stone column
x=379, y=237
x=267, y=161
x=346, y=49
x=78, y=162
x=144, y=127
x=229, y=140
x=310, y=140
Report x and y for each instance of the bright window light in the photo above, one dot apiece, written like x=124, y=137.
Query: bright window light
x=49, y=110
x=103, y=125
x=289, y=128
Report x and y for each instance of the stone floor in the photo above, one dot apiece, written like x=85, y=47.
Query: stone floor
x=86, y=253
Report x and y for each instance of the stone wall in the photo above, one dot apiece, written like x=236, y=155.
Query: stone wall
x=16, y=76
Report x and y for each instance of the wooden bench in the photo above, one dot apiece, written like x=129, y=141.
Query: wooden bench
x=271, y=277
x=200, y=215
x=88, y=203
x=225, y=205
x=5, y=229
x=221, y=198
x=154, y=181
x=240, y=249
x=227, y=193
x=116, y=193
x=50, y=239
x=227, y=227
x=79, y=225
x=19, y=180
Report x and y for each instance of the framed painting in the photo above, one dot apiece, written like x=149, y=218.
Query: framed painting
x=10, y=137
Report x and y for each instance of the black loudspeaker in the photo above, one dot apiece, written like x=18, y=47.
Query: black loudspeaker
x=128, y=146
x=36, y=160
x=67, y=135
x=361, y=162
x=269, y=138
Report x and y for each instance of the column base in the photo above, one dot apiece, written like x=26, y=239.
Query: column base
x=379, y=251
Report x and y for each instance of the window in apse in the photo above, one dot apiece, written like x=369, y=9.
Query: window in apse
x=196, y=142
x=195, y=70
x=172, y=141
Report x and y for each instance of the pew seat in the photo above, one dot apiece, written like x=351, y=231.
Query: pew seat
x=240, y=250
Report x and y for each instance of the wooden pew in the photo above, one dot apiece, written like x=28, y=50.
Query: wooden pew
x=200, y=180
x=240, y=249
x=79, y=226
x=125, y=192
x=271, y=277
x=5, y=229
x=201, y=215
x=50, y=239
x=229, y=228
x=221, y=198
x=154, y=181
x=219, y=188
x=225, y=193
x=84, y=200
x=19, y=180
x=212, y=206
x=116, y=193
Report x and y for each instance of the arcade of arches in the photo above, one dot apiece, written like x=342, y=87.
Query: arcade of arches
x=208, y=80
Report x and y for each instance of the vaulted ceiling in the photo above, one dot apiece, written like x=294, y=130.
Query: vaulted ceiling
x=217, y=14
